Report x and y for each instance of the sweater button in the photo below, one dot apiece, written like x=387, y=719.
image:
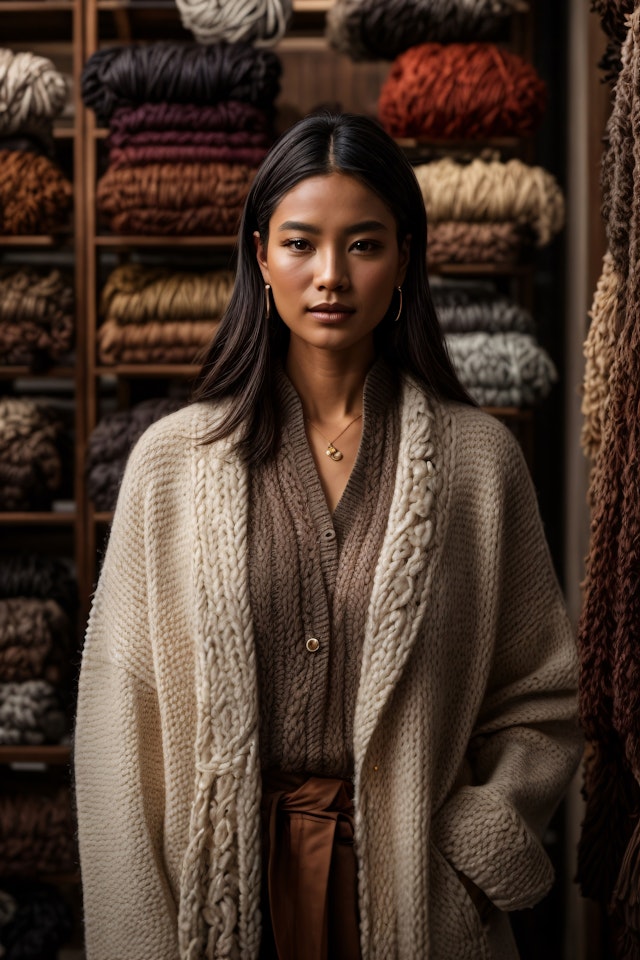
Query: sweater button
x=312, y=644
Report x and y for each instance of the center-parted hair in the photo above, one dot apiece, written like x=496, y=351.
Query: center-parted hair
x=243, y=357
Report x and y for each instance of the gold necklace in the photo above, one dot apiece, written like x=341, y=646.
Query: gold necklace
x=332, y=451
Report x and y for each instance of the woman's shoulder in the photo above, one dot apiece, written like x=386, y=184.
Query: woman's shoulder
x=175, y=437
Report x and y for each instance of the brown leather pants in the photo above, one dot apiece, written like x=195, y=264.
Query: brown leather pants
x=310, y=905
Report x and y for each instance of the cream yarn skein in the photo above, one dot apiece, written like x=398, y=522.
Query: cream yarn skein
x=262, y=22
x=32, y=91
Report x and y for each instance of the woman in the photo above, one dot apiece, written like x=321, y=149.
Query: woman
x=326, y=704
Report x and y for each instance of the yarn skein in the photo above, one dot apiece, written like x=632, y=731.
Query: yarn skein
x=179, y=73
x=32, y=92
x=30, y=463
x=230, y=118
x=463, y=242
x=35, y=197
x=370, y=30
x=261, y=22
x=40, y=923
x=493, y=191
x=469, y=91
x=137, y=294
x=30, y=713
x=470, y=306
x=36, y=315
x=165, y=342
x=36, y=829
x=599, y=352
x=30, y=575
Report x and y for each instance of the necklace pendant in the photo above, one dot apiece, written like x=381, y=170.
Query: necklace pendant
x=333, y=452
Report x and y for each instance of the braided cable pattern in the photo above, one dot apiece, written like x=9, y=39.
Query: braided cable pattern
x=179, y=73
x=461, y=90
x=599, y=352
x=370, y=30
x=492, y=190
x=32, y=91
x=261, y=22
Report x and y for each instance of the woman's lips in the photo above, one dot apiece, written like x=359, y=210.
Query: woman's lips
x=331, y=313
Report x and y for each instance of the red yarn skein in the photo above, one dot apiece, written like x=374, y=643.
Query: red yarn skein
x=468, y=91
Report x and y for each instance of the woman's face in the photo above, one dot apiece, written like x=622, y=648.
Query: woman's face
x=333, y=261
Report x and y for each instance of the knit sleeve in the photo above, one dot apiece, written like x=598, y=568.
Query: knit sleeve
x=525, y=745
x=120, y=782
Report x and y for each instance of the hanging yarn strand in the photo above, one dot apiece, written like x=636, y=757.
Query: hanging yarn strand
x=261, y=22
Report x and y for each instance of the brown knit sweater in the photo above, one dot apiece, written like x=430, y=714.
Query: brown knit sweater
x=311, y=575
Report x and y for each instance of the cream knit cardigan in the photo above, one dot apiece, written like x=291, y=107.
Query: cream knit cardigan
x=464, y=732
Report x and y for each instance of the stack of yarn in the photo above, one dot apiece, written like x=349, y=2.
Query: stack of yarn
x=35, y=920
x=35, y=196
x=156, y=315
x=261, y=22
x=36, y=316
x=111, y=442
x=31, y=467
x=488, y=211
x=37, y=603
x=36, y=829
x=188, y=125
x=491, y=341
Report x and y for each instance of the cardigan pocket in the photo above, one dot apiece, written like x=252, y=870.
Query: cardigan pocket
x=455, y=928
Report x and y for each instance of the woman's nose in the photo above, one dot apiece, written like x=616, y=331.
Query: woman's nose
x=331, y=272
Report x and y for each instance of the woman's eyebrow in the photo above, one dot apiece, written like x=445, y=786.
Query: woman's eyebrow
x=310, y=228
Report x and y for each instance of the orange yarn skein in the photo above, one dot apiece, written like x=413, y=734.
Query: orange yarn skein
x=469, y=91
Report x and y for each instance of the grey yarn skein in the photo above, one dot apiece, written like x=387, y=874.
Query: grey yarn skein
x=32, y=91
x=375, y=30
x=474, y=307
x=261, y=22
x=30, y=713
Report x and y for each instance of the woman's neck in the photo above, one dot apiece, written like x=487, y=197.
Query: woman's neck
x=330, y=385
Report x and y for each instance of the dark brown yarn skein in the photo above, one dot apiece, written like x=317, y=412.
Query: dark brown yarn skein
x=36, y=315
x=35, y=197
x=36, y=831
x=179, y=73
x=34, y=641
x=459, y=242
x=31, y=575
x=41, y=923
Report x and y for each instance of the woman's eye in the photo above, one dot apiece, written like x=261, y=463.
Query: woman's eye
x=297, y=244
x=365, y=246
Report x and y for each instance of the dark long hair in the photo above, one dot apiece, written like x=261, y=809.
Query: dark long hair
x=240, y=363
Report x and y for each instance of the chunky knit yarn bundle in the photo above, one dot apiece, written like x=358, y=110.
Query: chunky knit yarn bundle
x=36, y=316
x=261, y=22
x=30, y=458
x=474, y=307
x=370, y=30
x=189, y=125
x=155, y=315
x=609, y=849
x=44, y=578
x=35, y=196
x=613, y=15
x=468, y=91
x=35, y=920
x=32, y=92
x=111, y=442
x=37, y=830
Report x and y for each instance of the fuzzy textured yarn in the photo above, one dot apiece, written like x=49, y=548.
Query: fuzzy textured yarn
x=137, y=294
x=370, y=30
x=180, y=198
x=179, y=73
x=36, y=316
x=260, y=22
x=472, y=306
x=35, y=196
x=463, y=242
x=110, y=444
x=468, y=91
x=180, y=341
x=599, y=352
x=30, y=463
x=613, y=16
x=34, y=641
x=492, y=190
x=31, y=713
x=235, y=121
x=40, y=924
x=32, y=92
x=502, y=369
x=464, y=601
x=31, y=575
x=37, y=829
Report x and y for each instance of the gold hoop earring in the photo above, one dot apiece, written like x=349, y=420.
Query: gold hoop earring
x=397, y=317
x=267, y=287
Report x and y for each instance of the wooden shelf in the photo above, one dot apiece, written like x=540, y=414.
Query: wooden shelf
x=55, y=755
x=149, y=370
x=48, y=240
x=11, y=372
x=37, y=518
x=510, y=413
x=299, y=6
x=109, y=240
x=497, y=143
x=103, y=516
x=484, y=269
x=30, y=6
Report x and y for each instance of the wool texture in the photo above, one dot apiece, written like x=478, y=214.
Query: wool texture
x=138, y=156
x=467, y=91
x=37, y=830
x=30, y=463
x=45, y=578
x=472, y=306
x=111, y=442
x=36, y=316
x=32, y=92
x=609, y=847
x=502, y=369
x=613, y=16
x=185, y=198
x=180, y=341
x=137, y=294
x=34, y=641
x=179, y=73
x=491, y=190
x=40, y=923
x=370, y=30
x=460, y=242
x=260, y=22
x=232, y=121
x=31, y=713
x=35, y=196
x=599, y=352
x=464, y=608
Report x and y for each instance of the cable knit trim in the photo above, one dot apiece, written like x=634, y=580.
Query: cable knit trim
x=220, y=883
x=399, y=595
